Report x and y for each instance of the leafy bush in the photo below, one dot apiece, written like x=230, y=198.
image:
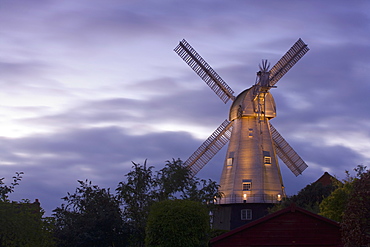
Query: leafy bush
x=179, y=223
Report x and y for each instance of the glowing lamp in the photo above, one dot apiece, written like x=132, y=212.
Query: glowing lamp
x=279, y=197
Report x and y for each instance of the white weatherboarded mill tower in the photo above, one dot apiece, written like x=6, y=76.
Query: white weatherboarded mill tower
x=251, y=180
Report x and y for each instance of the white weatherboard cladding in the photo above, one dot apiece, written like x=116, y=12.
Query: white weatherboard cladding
x=250, y=143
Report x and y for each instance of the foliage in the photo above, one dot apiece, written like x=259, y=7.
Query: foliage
x=356, y=217
x=21, y=224
x=217, y=232
x=143, y=188
x=7, y=189
x=204, y=191
x=308, y=198
x=312, y=195
x=137, y=196
x=333, y=206
x=173, y=178
x=180, y=223
x=175, y=181
x=91, y=217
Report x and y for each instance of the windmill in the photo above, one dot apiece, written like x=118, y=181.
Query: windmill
x=251, y=173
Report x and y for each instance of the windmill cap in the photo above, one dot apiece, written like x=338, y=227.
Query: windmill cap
x=243, y=107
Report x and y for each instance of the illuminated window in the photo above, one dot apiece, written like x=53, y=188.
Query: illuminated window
x=250, y=133
x=230, y=160
x=247, y=185
x=266, y=158
x=246, y=214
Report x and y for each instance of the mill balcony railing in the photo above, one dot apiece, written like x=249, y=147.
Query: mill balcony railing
x=252, y=198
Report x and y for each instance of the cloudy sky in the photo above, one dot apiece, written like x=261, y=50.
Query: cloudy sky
x=88, y=86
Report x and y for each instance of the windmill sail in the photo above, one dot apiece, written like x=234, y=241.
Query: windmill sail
x=209, y=148
x=251, y=173
x=204, y=70
x=286, y=153
x=296, y=52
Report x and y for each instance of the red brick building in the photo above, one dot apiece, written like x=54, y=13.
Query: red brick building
x=291, y=226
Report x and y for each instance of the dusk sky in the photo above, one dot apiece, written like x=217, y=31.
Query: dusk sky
x=88, y=86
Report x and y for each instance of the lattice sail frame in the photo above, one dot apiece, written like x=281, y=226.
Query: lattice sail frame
x=291, y=57
x=204, y=70
x=209, y=148
x=286, y=153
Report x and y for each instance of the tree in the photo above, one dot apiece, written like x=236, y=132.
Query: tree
x=180, y=223
x=308, y=198
x=21, y=223
x=91, y=217
x=356, y=217
x=7, y=189
x=335, y=204
x=172, y=179
x=201, y=190
x=137, y=195
x=143, y=188
x=175, y=181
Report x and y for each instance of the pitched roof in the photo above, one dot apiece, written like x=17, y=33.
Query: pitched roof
x=325, y=179
x=271, y=225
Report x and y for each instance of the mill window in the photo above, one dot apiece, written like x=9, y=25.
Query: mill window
x=266, y=158
x=229, y=162
x=230, y=159
x=246, y=214
x=250, y=133
x=247, y=185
